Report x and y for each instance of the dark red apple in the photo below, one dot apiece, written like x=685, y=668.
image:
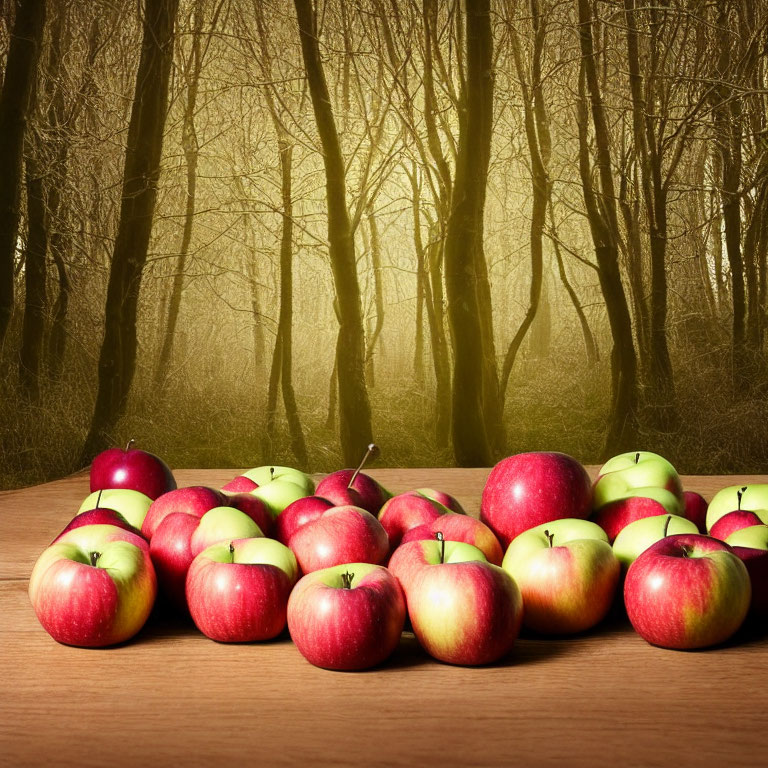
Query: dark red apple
x=99, y=516
x=133, y=469
x=696, y=509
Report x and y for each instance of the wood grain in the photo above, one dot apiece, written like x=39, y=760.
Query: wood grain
x=172, y=696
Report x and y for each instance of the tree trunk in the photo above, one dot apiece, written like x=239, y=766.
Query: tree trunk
x=539, y=190
x=142, y=168
x=354, y=407
x=648, y=153
x=603, y=222
x=33, y=327
x=474, y=437
x=20, y=73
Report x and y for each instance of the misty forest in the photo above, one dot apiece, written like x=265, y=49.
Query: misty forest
x=255, y=231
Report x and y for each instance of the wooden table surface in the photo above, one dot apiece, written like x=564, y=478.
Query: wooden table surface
x=173, y=697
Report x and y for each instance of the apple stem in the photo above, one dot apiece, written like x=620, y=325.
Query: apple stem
x=129, y=445
x=739, y=494
x=637, y=457
x=98, y=498
x=346, y=580
x=271, y=473
x=439, y=536
x=95, y=558
x=550, y=538
x=370, y=451
x=666, y=525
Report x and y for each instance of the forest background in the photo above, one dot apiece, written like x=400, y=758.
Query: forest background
x=270, y=231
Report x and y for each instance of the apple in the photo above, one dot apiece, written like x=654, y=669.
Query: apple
x=194, y=500
x=751, y=545
x=347, y=617
x=95, y=586
x=639, y=503
x=752, y=497
x=133, y=469
x=695, y=509
x=635, y=470
x=448, y=501
x=412, y=556
x=180, y=537
x=240, y=484
x=298, y=513
x=351, y=486
x=341, y=535
x=255, y=508
x=734, y=521
x=465, y=613
x=408, y=510
x=687, y=591
x=99, y=516
x=271, y=473
x=459, y=527
x=237, y=591
x=528, y=489
x=567, y=573
x=638, y=536
x=280, y=486
x=755, y=536
x=132, y=505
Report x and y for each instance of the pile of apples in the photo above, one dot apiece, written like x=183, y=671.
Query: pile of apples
x=346, y=564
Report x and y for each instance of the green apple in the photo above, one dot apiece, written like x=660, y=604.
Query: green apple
x=279, y=486
x=753, y=498
x=633, y=540
x=221, y=524
x=269, y=473
x=560, y=531
x=635, y=470
x=132, y=505
x=755, y=536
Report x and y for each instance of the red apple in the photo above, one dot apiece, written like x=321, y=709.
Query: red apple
x=195, y=500
x=341, y=535
x=734, y=521
x=751, y=545
x=528, y=489
x=298, y=513
x=95, y=586
x=448, y=501
x=465, y=613
x=687, y=591
x=133, y=469
x=180, y=537
x=696, y=509
x=617, y=515
x=346, y=617
x=255, y=508
x=458, y=527
x=238, y=591
x=98, y=516
x=365, y=491
x=406, y=511
x=239, y=484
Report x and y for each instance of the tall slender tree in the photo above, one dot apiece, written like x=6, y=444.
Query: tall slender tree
x=354, y=406
x=18, y=85
x=475, y=419
x=144, y=145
